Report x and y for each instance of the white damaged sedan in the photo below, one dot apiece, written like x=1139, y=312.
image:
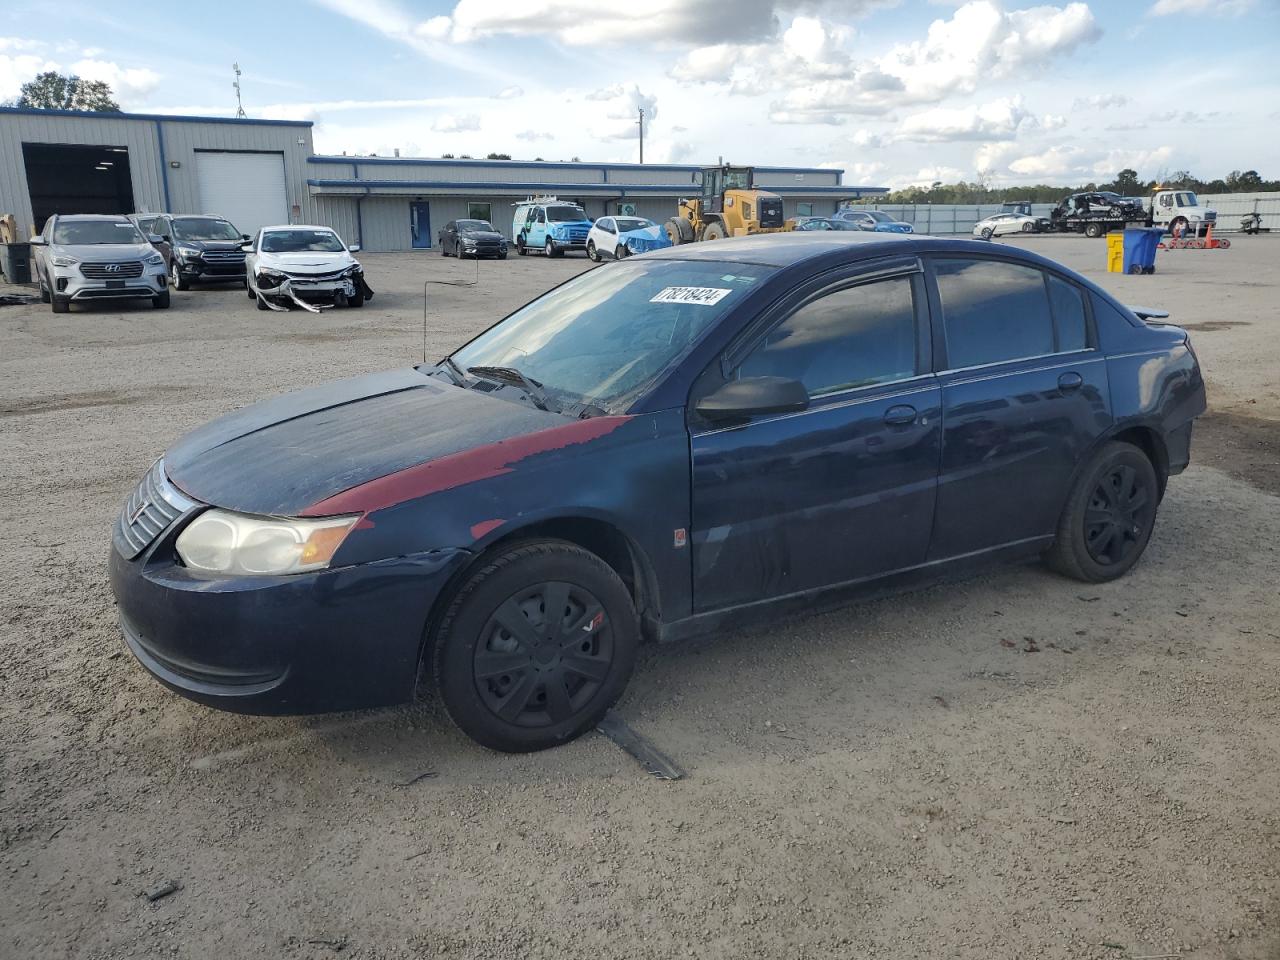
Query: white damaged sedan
x=305, y=266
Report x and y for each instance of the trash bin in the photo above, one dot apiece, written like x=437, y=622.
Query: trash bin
x=1140, y=248
x=1115, y=253
x=15, y=262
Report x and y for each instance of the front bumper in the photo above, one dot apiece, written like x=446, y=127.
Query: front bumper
x=80, y=289
x=339, y=639
x=201, y=270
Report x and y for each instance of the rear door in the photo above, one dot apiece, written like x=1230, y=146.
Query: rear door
x=844, y=490
x=1024, y=395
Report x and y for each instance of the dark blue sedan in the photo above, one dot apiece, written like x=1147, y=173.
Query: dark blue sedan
x=653, y=449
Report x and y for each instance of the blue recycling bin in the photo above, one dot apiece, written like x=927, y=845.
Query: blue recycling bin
x=1140, y=248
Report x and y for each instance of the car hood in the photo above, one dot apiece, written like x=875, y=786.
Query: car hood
x=219, y=245
x=283, y=455
x=480, y=235
x=306, y=262
x=102, y=251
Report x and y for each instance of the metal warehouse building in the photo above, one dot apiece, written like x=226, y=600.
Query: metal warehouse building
x=258, y=172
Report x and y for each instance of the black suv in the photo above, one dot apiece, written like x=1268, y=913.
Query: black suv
x=205, y=248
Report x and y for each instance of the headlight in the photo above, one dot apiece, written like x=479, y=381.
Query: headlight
x=188, y=252
x=64, y=261
x=154, y=259
x=219, y=541
x=271, y=278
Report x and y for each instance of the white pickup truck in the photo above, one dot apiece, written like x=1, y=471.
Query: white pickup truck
x=1180, y=212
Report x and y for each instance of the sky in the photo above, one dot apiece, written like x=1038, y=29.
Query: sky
x=893, y=93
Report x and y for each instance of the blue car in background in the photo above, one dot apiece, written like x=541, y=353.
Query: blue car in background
x=550, y=225
x=877, y=221
x=677, y=443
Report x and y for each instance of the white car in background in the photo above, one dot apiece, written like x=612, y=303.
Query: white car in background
x=617, y=237
x=1003, y=223
x=296, y=264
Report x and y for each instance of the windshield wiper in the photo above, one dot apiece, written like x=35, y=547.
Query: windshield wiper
x=453, y=370
x=514, y=377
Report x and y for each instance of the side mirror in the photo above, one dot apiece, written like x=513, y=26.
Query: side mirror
x=155, y=238
x=36, y=241
x=353, y=247
x=754, y=395
x=166, y=238
x=245, y=238
x=247, y=247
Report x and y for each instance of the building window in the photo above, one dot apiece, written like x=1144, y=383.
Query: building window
x=804, y=209
x=479, y=210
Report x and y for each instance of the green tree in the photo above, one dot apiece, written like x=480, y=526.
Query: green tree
x=1246, y=182
x=1126, y=183
x=498, y=156
x=53, y=91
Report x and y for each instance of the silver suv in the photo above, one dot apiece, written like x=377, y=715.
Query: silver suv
x=85, y=257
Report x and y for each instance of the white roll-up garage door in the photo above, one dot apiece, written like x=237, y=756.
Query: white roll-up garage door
x=245, y=188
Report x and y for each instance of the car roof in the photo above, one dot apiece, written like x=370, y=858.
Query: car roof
x=114, y=217
x=791, y=249
x=298, y=226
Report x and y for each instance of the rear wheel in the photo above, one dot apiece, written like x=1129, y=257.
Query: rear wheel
x=679, y=230
x=535, y=647
x=520, y=247
x=1109, y=515
x=1093, y=229
x=714, y=231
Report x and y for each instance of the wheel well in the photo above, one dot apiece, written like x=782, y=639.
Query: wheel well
x=1149, y=442
x=604, y=540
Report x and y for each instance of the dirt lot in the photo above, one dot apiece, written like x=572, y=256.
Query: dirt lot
x=1009, y=766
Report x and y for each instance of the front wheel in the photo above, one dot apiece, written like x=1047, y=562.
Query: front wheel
x=45, y=295
x=59, y=304
x=1093, y=230
x=592, y=253
x=988, y=232
x=552, y=251
x=1028, y=227
x=1108, y=517
x=161, y=302
x=535, y=647
x=176, y=278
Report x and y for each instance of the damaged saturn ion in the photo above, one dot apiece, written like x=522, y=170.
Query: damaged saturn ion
x=670, y=445
x=303, y=266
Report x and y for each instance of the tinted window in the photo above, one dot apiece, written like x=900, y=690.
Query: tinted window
x=565, y=214
x=301, y=241
x=850, y=338
x=96, y=232
x=1068, y=315
x=204, y=228
x=993, y=311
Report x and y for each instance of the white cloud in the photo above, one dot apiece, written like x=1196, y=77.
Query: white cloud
x=17, y=70
x=454, y=123
x=510, y=93
x=437, y=28
x=607, y=93
x=997, y=120
x=1100, y=101
x=925, y=177
x=619, y=119
x=21, y=44
x=533, y=135
x=1219, y=8
x=129, y=83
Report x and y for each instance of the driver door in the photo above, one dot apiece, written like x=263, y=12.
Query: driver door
x=839, y=492
x=713, y=191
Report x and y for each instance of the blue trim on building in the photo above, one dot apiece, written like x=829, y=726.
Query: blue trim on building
x=570, y=165
x=164, y=166
x=621, y=189
x=101, y=115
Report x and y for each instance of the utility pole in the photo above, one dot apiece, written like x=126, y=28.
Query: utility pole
x=640, y=123
x=240, y=114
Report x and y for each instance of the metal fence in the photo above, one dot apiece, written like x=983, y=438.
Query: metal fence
x=941, y=219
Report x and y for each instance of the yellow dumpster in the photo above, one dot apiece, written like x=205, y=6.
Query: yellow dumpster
x=1115, y=252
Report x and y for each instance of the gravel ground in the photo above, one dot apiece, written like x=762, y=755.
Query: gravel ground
x=1013, y=765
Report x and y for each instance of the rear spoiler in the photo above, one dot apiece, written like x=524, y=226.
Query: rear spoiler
x=1148, y=313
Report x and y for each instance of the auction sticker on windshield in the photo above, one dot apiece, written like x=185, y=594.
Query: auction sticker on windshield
x=703, y=296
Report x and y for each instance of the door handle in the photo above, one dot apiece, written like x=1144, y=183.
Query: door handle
x=899, y=415
x=1070, y=382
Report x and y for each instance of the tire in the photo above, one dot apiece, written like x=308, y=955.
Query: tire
x=988, y=233
x=1093, y=230
x=520, y=247
x=502, y=255
x=551, y=251
x=588, y=658
x=261, y=304
x=444, y=248
x=356, y=299
x=620, y=252
x=1224, y=243
x=592, y=253
x=161, y=302
x=60, y=304
x=1103, y=530
x=45, y=296
x=679, y=230
x=714, y=231
x=178, y=281
x=1028, y=227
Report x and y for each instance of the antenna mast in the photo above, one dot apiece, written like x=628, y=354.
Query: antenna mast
x=640, y=123
x=240, y=114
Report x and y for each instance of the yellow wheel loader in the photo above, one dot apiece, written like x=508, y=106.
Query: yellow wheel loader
x=729, y=206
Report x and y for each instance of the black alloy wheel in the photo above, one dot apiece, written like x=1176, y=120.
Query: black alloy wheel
x=1108, y=517
x=535, y=647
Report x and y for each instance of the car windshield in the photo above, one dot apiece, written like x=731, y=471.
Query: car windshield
x=301, y=241
x=563, y=214
x=604, y=336
x=1186, y=199
x=879, y=215
x=74, y=232
x=203, y=228
x=633, y=223
x=841, y=225
x=465, y=225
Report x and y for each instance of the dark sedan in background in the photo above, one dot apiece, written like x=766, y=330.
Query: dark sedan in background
x=472, y=238
x=685, y=439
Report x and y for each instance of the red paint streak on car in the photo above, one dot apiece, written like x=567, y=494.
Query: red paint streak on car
x=478, y=530
x=457, y=469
